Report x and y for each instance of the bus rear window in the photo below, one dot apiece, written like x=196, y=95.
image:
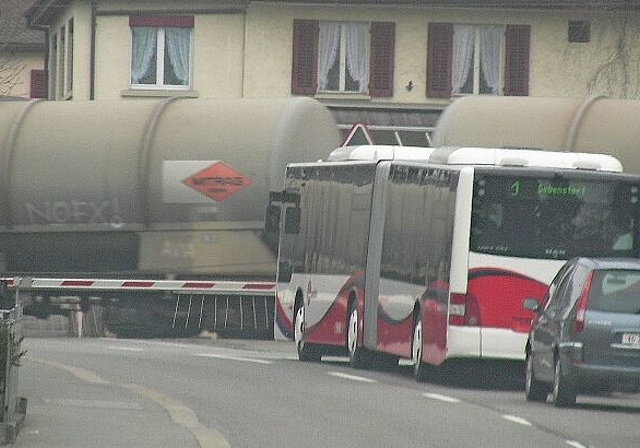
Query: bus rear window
x=554, y=217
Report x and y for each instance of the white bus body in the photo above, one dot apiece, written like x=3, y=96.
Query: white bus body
x=391, y=255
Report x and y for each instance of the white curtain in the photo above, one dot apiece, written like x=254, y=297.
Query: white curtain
x=356, y=52
x=463, y=43
x=178, y=44
x=329, y=44
x=490, y=55
x=143, y=48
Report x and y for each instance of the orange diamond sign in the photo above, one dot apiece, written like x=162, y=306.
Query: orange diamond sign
x=217, y=181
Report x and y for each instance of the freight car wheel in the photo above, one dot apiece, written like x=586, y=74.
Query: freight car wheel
x=306, y=351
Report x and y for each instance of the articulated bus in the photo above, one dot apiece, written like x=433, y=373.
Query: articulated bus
x=427, y=254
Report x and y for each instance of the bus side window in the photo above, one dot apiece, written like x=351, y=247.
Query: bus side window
x=292, y=220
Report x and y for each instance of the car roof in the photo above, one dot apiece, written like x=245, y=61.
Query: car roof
x=610, y=263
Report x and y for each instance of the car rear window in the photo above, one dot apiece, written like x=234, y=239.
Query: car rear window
x=615, y=291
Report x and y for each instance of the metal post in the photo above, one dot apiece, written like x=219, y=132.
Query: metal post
x=186, y=322
x=201, y=311
x=175, y=313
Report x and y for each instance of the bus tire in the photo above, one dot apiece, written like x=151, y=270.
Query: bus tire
x=420, y=368
x=357, y=355
x=306, y=351
x=563, y=393
x=534, y=390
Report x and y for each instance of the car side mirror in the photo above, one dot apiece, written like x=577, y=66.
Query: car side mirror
x=532, y=305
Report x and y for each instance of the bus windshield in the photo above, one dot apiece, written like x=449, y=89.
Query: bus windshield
x=554, y=217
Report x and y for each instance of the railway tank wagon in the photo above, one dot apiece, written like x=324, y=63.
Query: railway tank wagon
x=595, y=124
x=161, y=188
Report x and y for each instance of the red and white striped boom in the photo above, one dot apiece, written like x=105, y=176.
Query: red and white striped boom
x=176, y=286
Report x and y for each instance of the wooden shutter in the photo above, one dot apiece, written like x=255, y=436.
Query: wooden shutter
x=516, y=69
x=38, y=84
x=304, y=72
x=439, y=60
x=382, y=59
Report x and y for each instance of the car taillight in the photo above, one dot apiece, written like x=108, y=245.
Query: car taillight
x=581, y=306
x=463, y=310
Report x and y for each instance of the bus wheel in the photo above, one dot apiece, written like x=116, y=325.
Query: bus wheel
x=357, y=355
x=306, y=351
x=419, y=367
x=534, y=390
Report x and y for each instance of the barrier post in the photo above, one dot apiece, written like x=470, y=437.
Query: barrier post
x=14, y=408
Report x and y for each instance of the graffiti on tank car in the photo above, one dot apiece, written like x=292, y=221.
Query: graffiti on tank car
x=178, y=250
x=75, y=212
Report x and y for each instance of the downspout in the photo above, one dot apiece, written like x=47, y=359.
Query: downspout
x=570, y=141
x=92, y=56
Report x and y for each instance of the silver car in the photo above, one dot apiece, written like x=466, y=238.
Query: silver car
x=586, y=337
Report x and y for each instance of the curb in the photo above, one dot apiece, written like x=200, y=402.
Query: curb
x=9, y=430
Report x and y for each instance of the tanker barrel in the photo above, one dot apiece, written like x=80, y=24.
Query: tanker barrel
x=592, y=125
x=108, y=186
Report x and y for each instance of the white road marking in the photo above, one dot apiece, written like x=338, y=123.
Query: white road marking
x=445, y=398
x=352, y=377
x=575, y=444
x=234, y=358
x=516, y=419
x=126, y=349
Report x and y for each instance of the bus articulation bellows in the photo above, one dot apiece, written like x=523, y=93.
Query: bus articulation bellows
x=426, y=254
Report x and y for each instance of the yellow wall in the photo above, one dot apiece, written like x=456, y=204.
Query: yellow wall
x=264, y=36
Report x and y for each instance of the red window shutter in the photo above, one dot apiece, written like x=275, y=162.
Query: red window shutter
x=38, y=84
x=516, y=69
x=439, y=60
x=304, y=73
x=382, y=55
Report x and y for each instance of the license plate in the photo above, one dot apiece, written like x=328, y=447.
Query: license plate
x=631, y=339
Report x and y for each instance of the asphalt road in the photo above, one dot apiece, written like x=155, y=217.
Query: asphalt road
x=202, y=393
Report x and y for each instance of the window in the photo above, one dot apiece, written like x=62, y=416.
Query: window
x=342, y=57
x=38, y=83
x=61, y=62
x=517, y=216
x=579, y=31
x=68, y=83
x=160, y=51
x=476, y=59
x=467, y=59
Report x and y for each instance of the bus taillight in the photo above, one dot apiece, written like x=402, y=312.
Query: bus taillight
x=457, y=309
x=463, y=310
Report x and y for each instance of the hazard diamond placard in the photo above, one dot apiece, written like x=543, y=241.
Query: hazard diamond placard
x=217, y=181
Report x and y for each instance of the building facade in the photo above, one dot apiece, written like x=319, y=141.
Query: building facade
x=21, y=53
x=393, y=65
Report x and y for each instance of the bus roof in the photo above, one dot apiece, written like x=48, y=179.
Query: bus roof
x=511, y=157
x=380, y=152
